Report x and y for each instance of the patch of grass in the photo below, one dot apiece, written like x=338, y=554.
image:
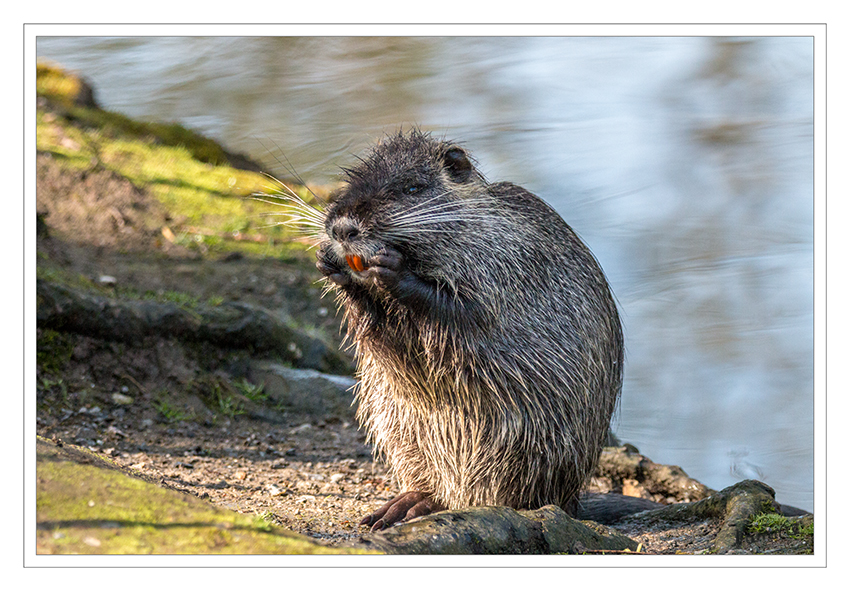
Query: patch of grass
x=170, y=413
x=51, y=385
x=253, y=392
x=214, y=301
x=228, y=405
x=219, y=396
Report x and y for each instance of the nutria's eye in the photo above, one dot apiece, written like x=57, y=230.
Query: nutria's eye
x=411, y=189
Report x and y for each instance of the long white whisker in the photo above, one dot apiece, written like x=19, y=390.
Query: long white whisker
x=297, y=213
x=418, y=212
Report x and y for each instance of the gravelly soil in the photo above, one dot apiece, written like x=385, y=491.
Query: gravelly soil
x=312, y=476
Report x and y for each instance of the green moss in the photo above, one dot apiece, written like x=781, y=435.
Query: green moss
x=53, y=352
x=85, y=504
x=54, y=83
x=61, y=87
x=177, y=297
x=186, y=172
x=805, y=530
x=776, y=524
x=57, y=274
x=769, y=523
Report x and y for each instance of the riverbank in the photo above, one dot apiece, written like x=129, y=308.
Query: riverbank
x=144, y=227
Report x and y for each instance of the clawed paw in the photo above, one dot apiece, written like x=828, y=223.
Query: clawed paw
x=404, y=507
x=328, y=267
x=386, y=267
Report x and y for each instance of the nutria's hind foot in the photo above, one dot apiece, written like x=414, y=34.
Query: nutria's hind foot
x=404, y=507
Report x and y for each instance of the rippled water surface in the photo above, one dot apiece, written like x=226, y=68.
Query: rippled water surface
x=685, y=164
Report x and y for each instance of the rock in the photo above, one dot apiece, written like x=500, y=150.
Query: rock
x=306, y=390
x=610, y=507
x=497, y=530
x=627, y=471
x=735, y=506
x=122, y=399
x=234, y=325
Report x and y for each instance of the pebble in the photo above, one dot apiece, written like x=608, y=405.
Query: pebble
x=115, y=431
x=122, y=399
x=336, y=477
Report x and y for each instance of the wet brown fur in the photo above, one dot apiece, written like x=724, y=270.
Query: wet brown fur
x=502, y=392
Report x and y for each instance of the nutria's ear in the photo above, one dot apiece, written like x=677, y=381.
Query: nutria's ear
x=457, y=164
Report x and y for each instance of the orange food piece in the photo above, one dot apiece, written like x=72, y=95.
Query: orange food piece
x=355, y=262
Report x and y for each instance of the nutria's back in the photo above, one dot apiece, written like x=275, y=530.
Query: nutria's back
x=489, y=348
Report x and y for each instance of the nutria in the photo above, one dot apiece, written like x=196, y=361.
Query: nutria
x=488, y=344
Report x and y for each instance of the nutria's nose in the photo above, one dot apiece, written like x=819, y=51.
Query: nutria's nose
x=344, y=230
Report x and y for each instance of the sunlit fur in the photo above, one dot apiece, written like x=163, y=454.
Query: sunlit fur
x=505, y=397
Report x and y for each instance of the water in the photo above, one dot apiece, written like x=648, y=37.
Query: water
x=685, y=164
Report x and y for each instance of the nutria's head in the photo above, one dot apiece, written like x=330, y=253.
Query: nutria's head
x=409, y=188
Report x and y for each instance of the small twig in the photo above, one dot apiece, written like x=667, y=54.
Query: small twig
x=135, y=383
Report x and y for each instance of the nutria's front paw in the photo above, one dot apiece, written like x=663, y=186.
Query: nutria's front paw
x=404, y=507
x=386, y=267
x=327, y=266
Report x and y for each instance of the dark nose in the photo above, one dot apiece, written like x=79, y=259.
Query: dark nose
x=344, y=230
